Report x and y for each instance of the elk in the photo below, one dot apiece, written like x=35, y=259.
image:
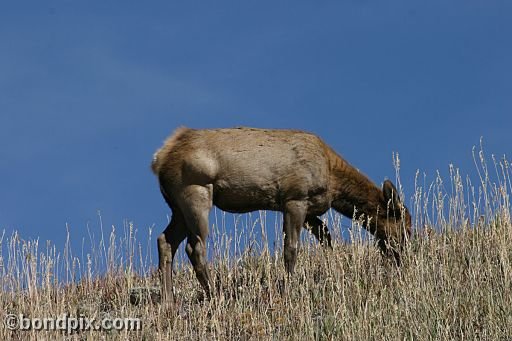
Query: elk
x=241, y=170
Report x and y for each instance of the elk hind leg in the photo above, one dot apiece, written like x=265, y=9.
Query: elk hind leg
x=199, y=203
x=168, y=242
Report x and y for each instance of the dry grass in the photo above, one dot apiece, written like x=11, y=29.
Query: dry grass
x=455, y=282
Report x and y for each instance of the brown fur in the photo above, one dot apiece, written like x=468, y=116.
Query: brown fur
x=246, y=169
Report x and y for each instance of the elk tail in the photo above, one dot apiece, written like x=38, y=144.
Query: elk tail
x=154, y=163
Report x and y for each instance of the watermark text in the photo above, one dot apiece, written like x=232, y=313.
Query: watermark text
x=69, y=324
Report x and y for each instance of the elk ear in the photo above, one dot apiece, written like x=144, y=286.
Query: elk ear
x=391, y=195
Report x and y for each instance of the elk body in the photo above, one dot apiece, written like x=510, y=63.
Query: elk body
x=245, y=169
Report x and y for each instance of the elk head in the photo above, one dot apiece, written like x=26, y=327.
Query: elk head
x=392, y=225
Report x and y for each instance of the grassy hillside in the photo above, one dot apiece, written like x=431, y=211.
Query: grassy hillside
x=455, y=282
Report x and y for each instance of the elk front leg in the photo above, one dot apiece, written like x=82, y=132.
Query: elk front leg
x=319, y=230
x=294, y=216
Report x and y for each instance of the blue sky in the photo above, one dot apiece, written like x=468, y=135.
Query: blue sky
x=89, y=90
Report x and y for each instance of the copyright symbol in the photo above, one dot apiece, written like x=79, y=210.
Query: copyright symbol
x=12, y=322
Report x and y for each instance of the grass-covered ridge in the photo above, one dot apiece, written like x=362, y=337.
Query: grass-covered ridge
x=455, y=282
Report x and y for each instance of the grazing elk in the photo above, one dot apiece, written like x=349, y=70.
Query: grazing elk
x=246, y=169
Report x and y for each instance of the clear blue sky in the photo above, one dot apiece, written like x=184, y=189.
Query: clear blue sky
x=89, y=90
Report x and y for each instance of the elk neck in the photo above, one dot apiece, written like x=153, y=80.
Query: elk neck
x=354, y=194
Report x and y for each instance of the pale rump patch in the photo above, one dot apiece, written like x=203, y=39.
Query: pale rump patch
x=158, y=160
